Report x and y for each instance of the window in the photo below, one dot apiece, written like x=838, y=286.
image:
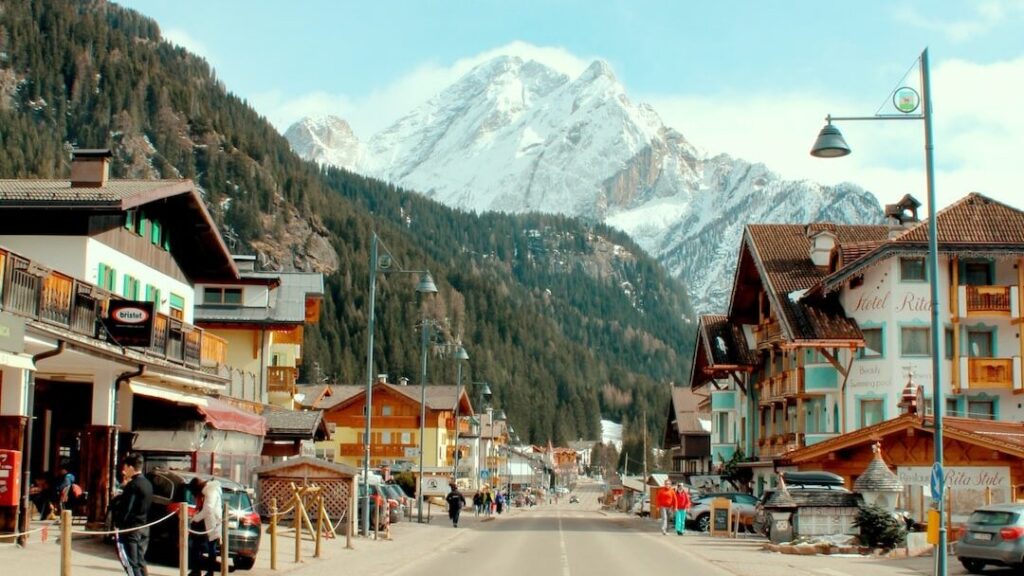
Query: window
x=407, y=438
x=976, y=274
x=220, y=296
x=981, y=409
x=815, y=417
x=949, y=344
x=154, y=233
x=915, y=341
x=912, y=270
x=385, y=438
x=131, y=287
x=106, y=277
x=177, y=305
x=953, y=407
x=153, y=295
x=873, y=345
x=721, y=428
x=979, y=343
x=872, y=411
x=387, y=410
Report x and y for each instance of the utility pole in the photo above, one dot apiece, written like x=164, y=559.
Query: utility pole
x=645, y=443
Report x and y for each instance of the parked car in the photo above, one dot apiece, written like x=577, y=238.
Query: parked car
x=642, y=506
x=377, y=503
x=170, y=492
x=397, y=501
x=699, y=515
x=994, y=535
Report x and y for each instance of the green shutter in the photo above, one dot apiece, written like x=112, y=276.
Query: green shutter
x=177, y=301
x=155, y=233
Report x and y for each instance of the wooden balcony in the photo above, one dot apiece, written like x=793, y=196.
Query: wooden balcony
x=376, y=450
x=33, y=291
x=282, y=379
x=767, y=334
x=782, y=386
x=990, y=373
x=977, y=301
x=780, y=444
x=215, y=350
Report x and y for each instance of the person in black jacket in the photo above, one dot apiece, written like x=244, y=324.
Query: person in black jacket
x=455, y=501
x=132, y=512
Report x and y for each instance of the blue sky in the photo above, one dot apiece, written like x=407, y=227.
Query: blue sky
x=750, y=78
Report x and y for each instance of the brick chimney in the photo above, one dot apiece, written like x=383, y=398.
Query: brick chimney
x=90, y=168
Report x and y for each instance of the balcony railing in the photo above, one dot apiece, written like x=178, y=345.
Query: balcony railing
x=990, y=373
x=781, y=386
x=987, y=300
x=32, y=290
x=376, y=450
x=780, y=444
x=281, y=379
x=768, y=334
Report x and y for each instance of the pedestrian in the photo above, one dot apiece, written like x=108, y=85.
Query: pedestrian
x=478, y=503
x=499, y=501
x=488, y=501
x=132, y=514
x=666, y=500
x=63, y=489
x=204, y=546
x=683, y=503
x=455, y=501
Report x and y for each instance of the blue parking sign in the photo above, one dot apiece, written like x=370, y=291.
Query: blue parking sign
x=938, y=480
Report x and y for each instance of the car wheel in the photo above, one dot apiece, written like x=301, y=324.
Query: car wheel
x=973, y=565
x=704, y=522
x=244, y=562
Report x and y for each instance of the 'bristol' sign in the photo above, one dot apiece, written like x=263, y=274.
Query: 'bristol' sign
x=130, y=323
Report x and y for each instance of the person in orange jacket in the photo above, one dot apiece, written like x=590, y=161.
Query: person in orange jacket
x=666, y=500
x=683, y=503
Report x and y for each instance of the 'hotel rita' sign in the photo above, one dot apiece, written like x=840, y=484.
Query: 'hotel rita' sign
x=129, y=323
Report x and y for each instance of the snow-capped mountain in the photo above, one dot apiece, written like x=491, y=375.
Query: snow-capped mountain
x=327, y=140
x=515, y=135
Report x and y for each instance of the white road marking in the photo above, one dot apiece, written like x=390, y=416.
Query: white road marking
x=561, y=543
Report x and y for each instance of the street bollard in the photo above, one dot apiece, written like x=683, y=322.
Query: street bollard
x=297, y=522
x=225, y=548
x=65, y=543
x=183, y=540
x=319, y=526
x=350, y=518
x=273, y=533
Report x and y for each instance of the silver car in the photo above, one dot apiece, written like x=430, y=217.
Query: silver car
x=994, y=535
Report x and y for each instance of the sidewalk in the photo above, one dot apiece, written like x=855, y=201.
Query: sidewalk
x=92, y=556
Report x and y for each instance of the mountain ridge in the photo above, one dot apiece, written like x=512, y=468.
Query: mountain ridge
x=515, y=135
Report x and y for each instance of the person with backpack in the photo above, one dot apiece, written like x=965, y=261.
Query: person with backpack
x=683, y=503
x=455, y=501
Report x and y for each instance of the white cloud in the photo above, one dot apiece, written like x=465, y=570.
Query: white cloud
x=977, y=129
x=370, y=113
x=986, y=16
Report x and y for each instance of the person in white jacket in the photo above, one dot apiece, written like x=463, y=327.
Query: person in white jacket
x=203, y=548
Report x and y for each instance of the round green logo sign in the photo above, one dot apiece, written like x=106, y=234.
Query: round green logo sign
x=906, y=99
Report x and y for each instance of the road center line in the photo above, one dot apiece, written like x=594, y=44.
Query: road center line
x=561, y=543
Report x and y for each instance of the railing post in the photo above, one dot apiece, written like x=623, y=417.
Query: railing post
x=65, y=543
x=183, y=540
x=319, y=524
x=273, y=533
x=225, y=547
x=297, y=522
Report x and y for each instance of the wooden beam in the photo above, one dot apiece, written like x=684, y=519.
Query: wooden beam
x=833, y=359
x=739, y=382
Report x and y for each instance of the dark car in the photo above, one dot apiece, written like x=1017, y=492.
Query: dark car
x=170, y=491
x=396, y=501
x=994, y=535
x=377, y=509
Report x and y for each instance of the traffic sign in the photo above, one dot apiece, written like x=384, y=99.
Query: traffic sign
x=485, y=474
x=938, y=480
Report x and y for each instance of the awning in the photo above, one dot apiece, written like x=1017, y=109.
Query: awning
x=23, y=361
x=218, y=413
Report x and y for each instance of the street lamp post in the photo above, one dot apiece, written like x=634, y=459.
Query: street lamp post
x=426, y=286
x=485, y=396
x=424, y=341
x=830, y=144
x=460, y=356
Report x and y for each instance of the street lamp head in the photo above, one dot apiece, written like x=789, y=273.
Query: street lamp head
x=486, y=391
x=426, y=284
x=461, y=354
x=499, y=416
x=830, y=143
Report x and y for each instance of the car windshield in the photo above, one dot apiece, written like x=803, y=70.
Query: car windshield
x=993, y=518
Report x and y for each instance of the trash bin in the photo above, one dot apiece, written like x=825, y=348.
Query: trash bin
x=780, y=526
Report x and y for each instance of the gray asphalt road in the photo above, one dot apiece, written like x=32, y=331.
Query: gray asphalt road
x=560, y=539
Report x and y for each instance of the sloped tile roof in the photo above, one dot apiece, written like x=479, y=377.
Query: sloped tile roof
x=686, y=404
x=782, y=254
x=288, y=305
x=974, y=219
x=724, y=342
x=282, y=422
x=121, y=194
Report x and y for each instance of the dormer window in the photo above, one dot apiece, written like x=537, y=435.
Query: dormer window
x=222, y=296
